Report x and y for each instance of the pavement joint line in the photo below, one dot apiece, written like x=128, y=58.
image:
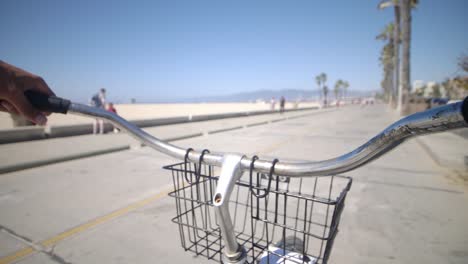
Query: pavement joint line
x=434, y=157
x=224, y=130
x=429, y=152
x=53, y=241
x=178, y=138
x=31, y=246
x=184, y=137
x=34, y=164
x=256, y=124
x=15, y=235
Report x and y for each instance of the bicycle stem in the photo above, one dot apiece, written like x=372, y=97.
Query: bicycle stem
x=434, y=120
x=231, y=172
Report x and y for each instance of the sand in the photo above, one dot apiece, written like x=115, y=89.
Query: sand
x=149, y=111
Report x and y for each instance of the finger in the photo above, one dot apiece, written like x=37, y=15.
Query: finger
x=27, y=110
x=30, y=81
x=35, y=83
x=9, y=107
x=24, y=83
x=42, y=86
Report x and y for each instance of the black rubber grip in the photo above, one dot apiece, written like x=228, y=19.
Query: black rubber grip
x=465, y=109
x=47, y=103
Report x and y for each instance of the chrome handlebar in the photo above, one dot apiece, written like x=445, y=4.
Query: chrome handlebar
x=430, y=121
x=438, y=119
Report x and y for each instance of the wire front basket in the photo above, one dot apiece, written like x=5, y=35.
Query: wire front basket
x=276, y=219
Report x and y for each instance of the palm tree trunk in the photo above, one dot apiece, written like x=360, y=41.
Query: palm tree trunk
x=405, y=60
x=396, y=56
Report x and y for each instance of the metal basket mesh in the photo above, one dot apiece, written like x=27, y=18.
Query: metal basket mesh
x=294, y=221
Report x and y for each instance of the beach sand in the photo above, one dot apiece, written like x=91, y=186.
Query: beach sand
x=150, y=111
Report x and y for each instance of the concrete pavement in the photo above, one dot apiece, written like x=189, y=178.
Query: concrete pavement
x=441, y=148
x=403, y=208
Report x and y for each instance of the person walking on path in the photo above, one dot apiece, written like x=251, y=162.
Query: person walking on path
x=111, y=108
x=282, y=103
x=272, y=104
x=99, y=100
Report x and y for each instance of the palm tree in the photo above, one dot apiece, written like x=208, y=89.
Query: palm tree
x=406, y=6
x=337, y=89
x=345, y=88
x=463, y=63
x=387, y=61
x=402, y=8
x=325, y=88
x=325, y=93
x=321, y=80
x=318, y=80
x=396, y=46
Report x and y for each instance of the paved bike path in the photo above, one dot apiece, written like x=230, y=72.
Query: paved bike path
x=393, y=203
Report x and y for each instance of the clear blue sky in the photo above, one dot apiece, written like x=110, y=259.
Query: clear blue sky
x=162, y=50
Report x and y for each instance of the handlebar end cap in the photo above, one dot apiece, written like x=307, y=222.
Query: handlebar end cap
x=465, y=110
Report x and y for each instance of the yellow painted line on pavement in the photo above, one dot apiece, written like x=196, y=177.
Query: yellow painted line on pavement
x=17, y=255
x=81, y=228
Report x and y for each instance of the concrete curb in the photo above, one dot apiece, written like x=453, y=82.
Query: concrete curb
x=37, y=133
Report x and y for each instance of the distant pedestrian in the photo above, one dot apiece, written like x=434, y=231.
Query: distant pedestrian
x=296, y=104
x=111, y=108
x=282, y=103
x=272, y=104
x=99, y=100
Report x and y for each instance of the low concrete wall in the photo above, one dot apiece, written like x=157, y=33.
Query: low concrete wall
x=65, y=131
x=160, y=121
x=35, y=133
x=21, y=134
x=75, y=130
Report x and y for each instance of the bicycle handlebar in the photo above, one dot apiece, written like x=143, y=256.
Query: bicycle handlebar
x=47, y=103
x=434, y=120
